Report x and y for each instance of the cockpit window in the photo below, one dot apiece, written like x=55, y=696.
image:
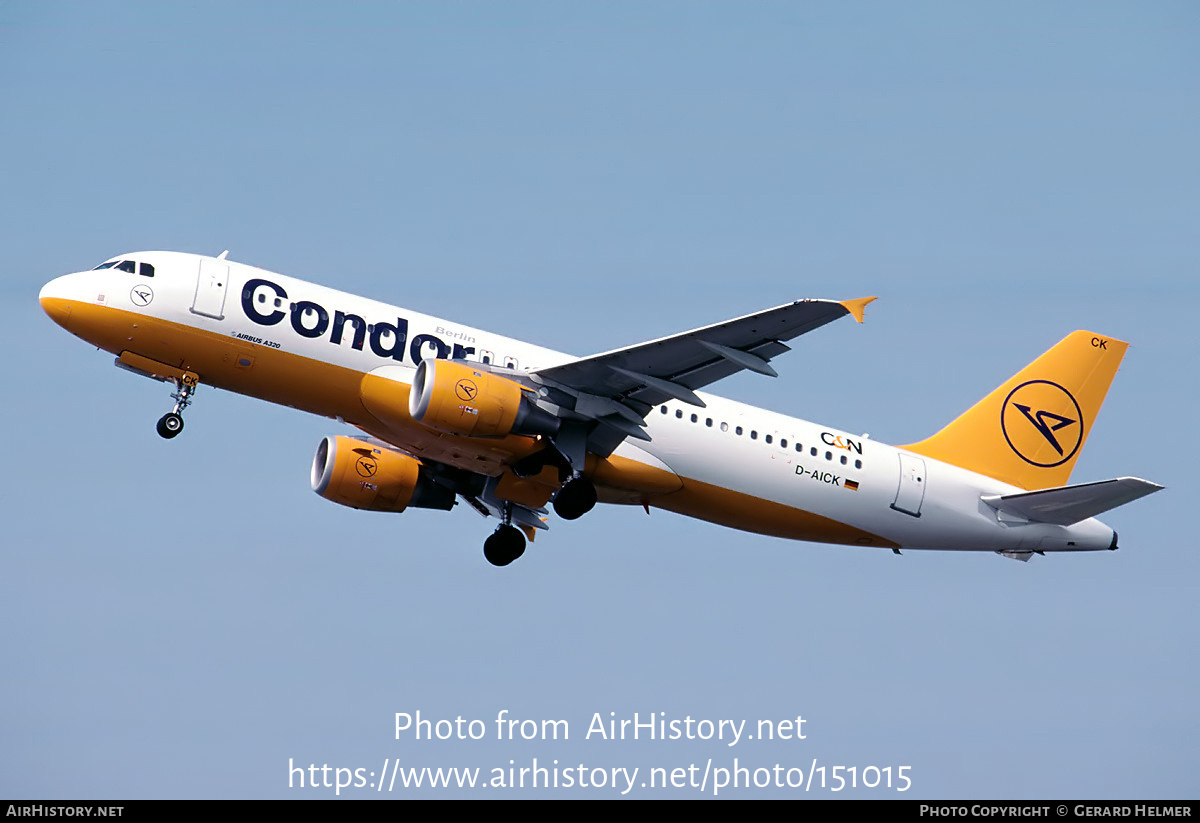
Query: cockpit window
x=131, y=266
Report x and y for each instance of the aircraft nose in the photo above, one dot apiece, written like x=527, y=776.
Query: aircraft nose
x=55, y=300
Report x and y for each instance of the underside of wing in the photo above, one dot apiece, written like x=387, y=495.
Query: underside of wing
x=619, y=387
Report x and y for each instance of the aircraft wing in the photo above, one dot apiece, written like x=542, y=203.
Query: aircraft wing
x=619, y=387
x=670, y=367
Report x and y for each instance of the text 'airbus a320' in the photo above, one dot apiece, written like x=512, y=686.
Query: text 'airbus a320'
x=450, y=412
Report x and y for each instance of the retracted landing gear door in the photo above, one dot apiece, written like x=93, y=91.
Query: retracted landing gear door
x=212, y=281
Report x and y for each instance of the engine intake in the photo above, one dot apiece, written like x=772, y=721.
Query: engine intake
x=460, y=398
x=360, y=475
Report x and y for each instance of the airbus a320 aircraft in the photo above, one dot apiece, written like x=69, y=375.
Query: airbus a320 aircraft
x=450, y=412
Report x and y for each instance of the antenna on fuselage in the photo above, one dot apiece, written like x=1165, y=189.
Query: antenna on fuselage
x=223, y=254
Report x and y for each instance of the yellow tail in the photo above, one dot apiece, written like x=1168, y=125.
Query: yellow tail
x=1030, y=431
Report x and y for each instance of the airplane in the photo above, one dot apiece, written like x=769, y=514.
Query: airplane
x=448, y=412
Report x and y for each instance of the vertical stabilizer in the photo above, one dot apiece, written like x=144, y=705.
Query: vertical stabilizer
x=1030, y=431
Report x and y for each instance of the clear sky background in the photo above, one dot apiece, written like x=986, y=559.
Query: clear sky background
x=179, y=619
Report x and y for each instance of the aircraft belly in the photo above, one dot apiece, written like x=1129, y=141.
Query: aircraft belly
x=751, y=513
x=223, y=361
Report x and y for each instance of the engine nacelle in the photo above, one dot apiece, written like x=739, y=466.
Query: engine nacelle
x=357, y=474
x=459, y=398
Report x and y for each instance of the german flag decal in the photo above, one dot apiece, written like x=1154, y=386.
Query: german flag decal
x=852, y=485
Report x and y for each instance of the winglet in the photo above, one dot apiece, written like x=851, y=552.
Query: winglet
x=857, y=307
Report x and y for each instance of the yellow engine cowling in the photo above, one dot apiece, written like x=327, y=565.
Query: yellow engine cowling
x=363, y=476
x=459, y=398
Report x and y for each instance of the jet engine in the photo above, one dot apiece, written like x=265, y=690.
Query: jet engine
x=360, y=475
x=466, y=399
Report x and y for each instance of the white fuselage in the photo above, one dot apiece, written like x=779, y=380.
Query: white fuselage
x=305, y=345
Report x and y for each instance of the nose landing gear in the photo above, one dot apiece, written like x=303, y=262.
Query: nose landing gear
x=171, y=423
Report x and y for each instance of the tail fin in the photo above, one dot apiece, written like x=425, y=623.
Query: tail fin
x=1030, y=431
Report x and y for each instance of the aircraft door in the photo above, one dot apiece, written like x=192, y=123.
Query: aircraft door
x=212, y=281
x=911, y=490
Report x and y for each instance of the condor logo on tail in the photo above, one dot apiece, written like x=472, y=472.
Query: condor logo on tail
x=1039, y=420
x=1040, y=413
x=1046, y=411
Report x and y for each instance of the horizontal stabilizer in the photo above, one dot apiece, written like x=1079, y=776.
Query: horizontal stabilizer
x=1070, y=504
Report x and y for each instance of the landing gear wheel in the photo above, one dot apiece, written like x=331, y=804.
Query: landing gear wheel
x=504, y=546
x=169, y=425
x=575, y=499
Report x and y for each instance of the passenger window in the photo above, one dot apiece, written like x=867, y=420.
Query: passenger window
x=843, y=459
x=738, y=431
x=679, y=414
x=753, y=434
x=858, y=464
x=724, y=427
x=708, y=422
x=767, y=438
x=828, y=455
x=664, y=409
x=783, y=444
x=813, y=451
x=695, y=418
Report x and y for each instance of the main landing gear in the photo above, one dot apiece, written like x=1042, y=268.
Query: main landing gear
x=171, y=423
x=506, y=544
x=576, y=498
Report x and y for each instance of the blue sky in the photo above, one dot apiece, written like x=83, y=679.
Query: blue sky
x=181, y=619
